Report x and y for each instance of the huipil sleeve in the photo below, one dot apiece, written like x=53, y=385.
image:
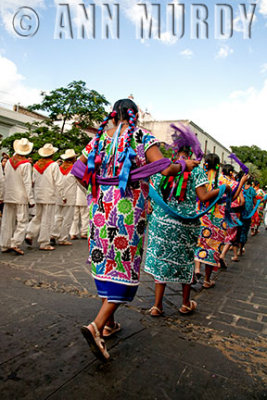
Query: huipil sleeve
x=1, y=184
x=26, y=172
x=58, y=181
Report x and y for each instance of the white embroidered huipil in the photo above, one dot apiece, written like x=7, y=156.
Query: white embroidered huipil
x=17, y=197
x=80, y=213
x=64, y=212
x=47, y=180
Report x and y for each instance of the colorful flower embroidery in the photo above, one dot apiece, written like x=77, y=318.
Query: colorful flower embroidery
x=121, y=243
x=124, y=206
x=117, y=225
x=99, y=220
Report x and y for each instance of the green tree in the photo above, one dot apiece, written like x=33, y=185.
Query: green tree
x=255, y=159
x=82, y=106
x=74, y=102
x=166, y=152
x=46, y=132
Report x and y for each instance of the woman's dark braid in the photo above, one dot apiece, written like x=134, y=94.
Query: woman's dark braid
x=101, y=129
x=216, y=176
x=132, y=121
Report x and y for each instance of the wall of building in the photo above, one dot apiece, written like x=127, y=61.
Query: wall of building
x=162, y=131
x=14, y=121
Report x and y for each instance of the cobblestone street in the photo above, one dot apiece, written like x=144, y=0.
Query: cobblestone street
x=217, y=353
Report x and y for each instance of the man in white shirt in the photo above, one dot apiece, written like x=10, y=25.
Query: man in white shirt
x=65, y=212
x=47, y=181
x=1, y=184
x=18, y=197
x=80, y=214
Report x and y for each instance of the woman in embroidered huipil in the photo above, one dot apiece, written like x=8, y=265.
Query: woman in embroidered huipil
x=258, y=216
x=118, y=217
x=172, y=242
x=238, y=201
x=213, y=227
x=250, y=201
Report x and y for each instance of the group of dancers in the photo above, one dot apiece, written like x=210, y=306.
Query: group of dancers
x=195, y=214
x=47, y=192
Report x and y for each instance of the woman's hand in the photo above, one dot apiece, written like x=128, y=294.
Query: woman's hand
x=244, y=179
x=191, y=164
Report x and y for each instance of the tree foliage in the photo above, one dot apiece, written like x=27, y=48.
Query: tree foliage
x=46, y=132
x=165, y=152
x=255, y=159
x=76, y=102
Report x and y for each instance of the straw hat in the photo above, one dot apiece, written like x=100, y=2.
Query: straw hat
x=47, y=150
x=22, y=146
x=69, y=153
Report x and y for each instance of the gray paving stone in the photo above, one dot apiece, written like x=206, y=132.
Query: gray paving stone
x=256, y=326
x=46, y=297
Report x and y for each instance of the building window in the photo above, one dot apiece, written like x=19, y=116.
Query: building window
x=214, y=149
x=222, y=157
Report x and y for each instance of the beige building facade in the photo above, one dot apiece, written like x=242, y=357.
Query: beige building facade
x=162, y=131
x=15, y=121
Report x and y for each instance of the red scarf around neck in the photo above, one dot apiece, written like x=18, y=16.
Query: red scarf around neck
x=66, y=167
x=15, y=163
x=42, y=164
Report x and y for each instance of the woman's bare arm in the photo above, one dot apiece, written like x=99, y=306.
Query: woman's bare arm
x=241, y=183
x=154, y=154
x=204, y=195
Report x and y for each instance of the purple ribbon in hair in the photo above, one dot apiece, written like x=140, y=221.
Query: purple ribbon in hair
x=79, y=169
x=239, y=162
x=186, y=137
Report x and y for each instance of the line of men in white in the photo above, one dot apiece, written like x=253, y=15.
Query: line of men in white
x=58, y=199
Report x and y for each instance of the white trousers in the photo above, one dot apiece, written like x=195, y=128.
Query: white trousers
x=42, y=224
x=80, y=214
x=62, y=223
x=265, y=217
x=14, y=223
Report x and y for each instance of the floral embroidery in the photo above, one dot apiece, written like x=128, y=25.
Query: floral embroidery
x=117, y=224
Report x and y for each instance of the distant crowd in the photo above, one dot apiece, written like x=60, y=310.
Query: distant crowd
x=41, y=200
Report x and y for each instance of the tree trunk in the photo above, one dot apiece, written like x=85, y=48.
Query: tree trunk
x=63, y=125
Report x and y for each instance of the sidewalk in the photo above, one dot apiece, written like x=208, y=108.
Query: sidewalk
x=217, y=353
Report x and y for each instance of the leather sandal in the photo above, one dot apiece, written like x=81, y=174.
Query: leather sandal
x=95, y=342
x=111, y=329
x=208, y=284
x=158, y=312
x=18, y=251
x=235, y=259
x=65, y=243
x=47, y=248
x=188, y=309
